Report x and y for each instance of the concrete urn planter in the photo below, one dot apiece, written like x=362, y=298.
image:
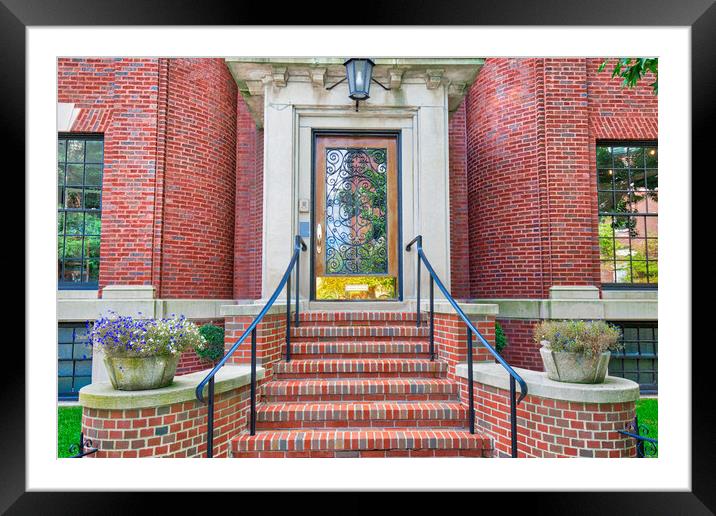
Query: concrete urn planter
x=141, y=373
x=565, y=366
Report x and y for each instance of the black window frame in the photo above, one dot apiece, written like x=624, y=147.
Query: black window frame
x=62, y=212
x=618, y=356
x=631, y=285
x=80, y=341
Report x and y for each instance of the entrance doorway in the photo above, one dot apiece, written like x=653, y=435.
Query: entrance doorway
x=356, y=211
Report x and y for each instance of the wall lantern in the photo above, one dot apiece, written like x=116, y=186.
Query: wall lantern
x=359, y=74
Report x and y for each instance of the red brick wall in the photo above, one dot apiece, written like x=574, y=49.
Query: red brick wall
x=200, y=177
x=553, y=428
x=168, y=195
x=521, y=350
x=118, y=97
x=459, y=243
x=249, y=206
x=451, y=340
x=176, y=430
x=532, y=127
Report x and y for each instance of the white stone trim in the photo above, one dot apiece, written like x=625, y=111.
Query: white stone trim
x=613, y=390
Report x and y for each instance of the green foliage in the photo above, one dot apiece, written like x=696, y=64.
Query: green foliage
x=500, y=338
x=69, y=426
x=576, y=336
x=633, y=69
x=214, y=348
x=647, y=410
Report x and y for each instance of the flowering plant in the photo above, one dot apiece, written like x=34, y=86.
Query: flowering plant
x=587, y=337
x=124, y=336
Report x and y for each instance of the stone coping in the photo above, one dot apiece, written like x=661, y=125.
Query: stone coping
x=613, y=390
x=470, y=308
x=103, y=396
x=254, y=308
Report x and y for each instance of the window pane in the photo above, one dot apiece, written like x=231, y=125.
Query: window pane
x=607, y=271
x=73, y=198
x=652, y=179
x=604, y=157
x=75, y=223
x=651, y=155
x=60, y=174
x=60, y=222
x=94, y=152
x=75, y=150
x=60, y=197
x=620, y=157
x=92, y=199
x=73, y=271
x=621, y=179
x=93, y=175
x=93, y=269
x=636, y=157
x=93, y=223
x=92, y=247
x=606, y=201
x=61, y=146
x=75, y=175
x=605, y=177
x=73, y=247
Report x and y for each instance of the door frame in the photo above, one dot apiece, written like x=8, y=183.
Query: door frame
x=315, y=133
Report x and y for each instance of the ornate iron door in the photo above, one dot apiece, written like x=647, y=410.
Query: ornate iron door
x=356, y=231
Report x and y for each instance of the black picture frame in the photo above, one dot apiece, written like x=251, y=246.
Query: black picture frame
x=700, y=15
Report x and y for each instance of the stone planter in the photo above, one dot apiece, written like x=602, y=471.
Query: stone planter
x=141, y=373
x=564, y=366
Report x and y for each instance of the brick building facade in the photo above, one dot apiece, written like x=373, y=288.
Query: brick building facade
x=187, y=189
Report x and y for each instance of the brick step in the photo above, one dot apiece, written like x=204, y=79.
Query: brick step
x=389, y=332
x=361, y=390
x=360, y=368
x=360, y=349
x=362, y=443
x=309, y=319
x=361, y=414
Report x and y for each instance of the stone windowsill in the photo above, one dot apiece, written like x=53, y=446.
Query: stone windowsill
x=613, y=390
x=103, y=396
x=442, y=306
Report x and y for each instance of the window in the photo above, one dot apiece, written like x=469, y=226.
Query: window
x=79, y=191
x=74, y=360
x=638, y=360
x=628, y=190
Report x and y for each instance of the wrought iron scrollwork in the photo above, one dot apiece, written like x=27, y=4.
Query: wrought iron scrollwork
x=645, y=446
x=82, y=448
x=356, y=211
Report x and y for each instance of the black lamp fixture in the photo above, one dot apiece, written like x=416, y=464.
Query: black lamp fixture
x=359, y=74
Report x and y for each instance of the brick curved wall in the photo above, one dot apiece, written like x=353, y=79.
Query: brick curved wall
x=199, y=181
x=502, y=134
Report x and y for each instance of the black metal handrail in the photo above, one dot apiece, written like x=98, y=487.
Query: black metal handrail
x=645, y=446
x=298, y=246
x=514, y=377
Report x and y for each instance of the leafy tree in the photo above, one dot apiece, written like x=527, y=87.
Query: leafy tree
x=633, y=69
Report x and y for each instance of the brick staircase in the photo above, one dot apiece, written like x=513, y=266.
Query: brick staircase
x=360, y=384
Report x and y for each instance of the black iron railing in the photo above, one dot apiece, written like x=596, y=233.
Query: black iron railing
x=514, y=377
x=294, y=264
x=645, y=446
x=83, y=448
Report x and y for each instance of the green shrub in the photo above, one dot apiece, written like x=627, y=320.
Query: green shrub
x=500, y=338
x=213, y=350
x=587, y=337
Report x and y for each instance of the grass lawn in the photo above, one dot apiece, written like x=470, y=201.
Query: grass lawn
x=69, y=424
x=647, y=410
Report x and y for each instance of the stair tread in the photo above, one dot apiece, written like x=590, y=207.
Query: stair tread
x=360, y=439
x=360, y=410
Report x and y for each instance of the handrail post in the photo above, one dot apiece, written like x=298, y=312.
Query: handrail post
x=210, y=422
x=417, y=310
x=470, y=388
x=288, y=319
x=432, y=318
x=298, y=270
x=513, y=416
x=252, y=427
